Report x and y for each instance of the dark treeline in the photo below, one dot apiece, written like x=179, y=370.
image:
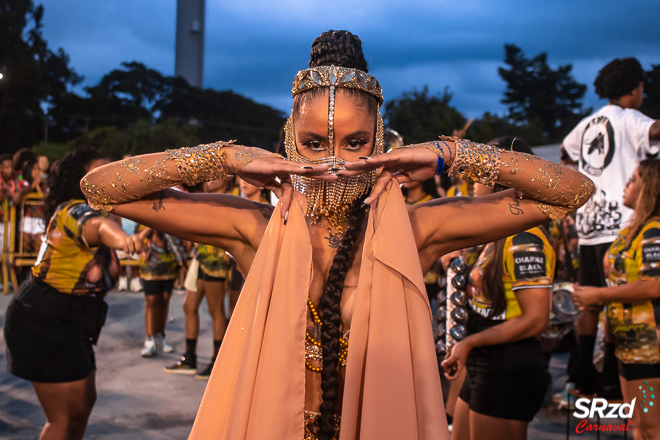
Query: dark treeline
x=135, y=109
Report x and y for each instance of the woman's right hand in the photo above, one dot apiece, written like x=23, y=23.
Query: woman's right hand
x=273, y=172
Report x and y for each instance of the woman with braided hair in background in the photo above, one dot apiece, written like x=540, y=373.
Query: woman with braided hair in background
x=331, y=337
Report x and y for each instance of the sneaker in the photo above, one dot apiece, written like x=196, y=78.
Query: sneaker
x=183, y=366
x=161, y=344
x=149, y=349
x=204, y=375
x=567, y=401
x=136, y=285
x=122, y=286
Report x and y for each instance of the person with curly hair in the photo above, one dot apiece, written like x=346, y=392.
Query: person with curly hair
x=608, y=146
x=633, y=297
x=57, y=315
x=332, y=334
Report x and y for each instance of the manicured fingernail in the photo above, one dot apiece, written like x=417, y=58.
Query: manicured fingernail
x=286, y=217
x=363, y=157
x=333, y=170
x=307, y=168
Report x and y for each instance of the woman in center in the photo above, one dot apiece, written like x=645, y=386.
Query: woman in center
x=331, y=337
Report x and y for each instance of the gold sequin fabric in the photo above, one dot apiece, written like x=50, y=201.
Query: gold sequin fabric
x=333, y=200
x=332, y=76
x=312, y=427
x=475, y=162
x=127, y=180
x=556, y=193
x=202, y=163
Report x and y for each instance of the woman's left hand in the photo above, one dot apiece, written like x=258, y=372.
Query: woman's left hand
x=405, y=164
x=456, y=360
x=585, y=296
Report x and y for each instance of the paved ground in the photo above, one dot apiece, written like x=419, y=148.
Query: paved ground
x=137, y=400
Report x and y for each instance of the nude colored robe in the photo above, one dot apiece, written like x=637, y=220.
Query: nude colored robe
x=392, y=389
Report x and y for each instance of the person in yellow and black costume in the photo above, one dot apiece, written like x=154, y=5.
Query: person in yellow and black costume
x=633, y=298
x=213, y=269
x=158, y=271
x=509, y=288
x=56, y=317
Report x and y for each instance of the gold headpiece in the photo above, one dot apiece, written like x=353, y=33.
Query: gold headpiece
x=333, y=200
x=332, y=76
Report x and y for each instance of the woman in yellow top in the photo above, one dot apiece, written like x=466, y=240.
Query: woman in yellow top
x=285, y=369
x=633, y=310
x=509, y=290
x=56, y=317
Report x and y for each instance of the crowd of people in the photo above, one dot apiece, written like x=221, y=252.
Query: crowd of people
x=341, y=314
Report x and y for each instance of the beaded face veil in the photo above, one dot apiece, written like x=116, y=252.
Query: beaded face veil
x=333, y=199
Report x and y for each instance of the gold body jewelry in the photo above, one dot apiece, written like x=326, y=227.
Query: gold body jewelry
x=312, y=426
x=314, y=348
x=475, y=162
x=202, y=163
x=333, y=200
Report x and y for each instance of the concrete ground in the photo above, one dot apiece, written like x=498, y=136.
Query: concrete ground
x=137, y=400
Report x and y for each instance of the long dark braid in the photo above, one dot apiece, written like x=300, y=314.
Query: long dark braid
x=331, y=319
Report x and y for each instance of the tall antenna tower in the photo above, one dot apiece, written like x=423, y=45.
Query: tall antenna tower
x=189, y=58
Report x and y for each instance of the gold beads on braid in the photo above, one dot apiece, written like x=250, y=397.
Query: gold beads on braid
x=314, y=348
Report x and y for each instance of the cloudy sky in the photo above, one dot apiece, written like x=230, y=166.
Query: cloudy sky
x=255, y=47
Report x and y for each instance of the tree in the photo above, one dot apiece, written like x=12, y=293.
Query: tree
x=140, y=137
x=137, y=93
x=420, y=117
x=34, y=76
x=491, y=126
x=539, y=95
x=651, y=103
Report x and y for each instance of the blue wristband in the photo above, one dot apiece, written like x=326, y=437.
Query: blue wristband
x=441, y=160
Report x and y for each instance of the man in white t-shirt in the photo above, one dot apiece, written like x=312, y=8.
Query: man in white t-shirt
x=608, y=145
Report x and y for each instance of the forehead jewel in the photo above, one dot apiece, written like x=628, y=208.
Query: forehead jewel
x=332, y=76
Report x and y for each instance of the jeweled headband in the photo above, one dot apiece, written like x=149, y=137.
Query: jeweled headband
x=333, y=199
x=332, y=77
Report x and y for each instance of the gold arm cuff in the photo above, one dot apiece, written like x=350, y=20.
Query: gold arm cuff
x=202, y=163
x=475, y=162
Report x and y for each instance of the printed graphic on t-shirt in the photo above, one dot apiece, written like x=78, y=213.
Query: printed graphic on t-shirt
x=599, y=217
x=528, y=264
x=67, y=263
x=597, y=146
x=650, y=253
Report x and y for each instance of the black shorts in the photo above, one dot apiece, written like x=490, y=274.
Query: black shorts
x=237, y=279
x=49, y=334
x=201, y=275
x=591, y=271
x=507, y=381
x=157, y=287
x=639, y=371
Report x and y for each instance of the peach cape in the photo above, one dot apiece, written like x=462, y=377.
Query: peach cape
x=392, y=388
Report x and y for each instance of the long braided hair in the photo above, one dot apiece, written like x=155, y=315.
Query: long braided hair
x=331, y=319
x=342, y=49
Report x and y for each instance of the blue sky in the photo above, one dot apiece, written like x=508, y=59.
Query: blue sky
x=255, y=47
